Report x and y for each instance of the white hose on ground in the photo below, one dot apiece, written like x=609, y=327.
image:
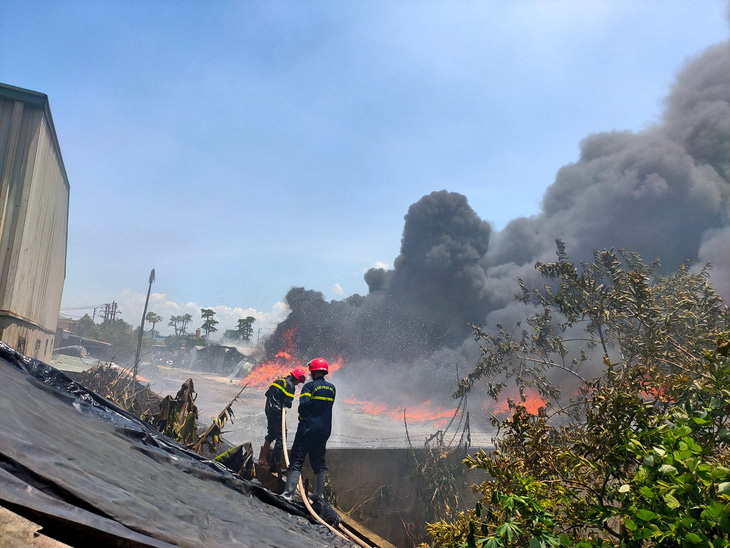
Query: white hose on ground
x=303, y=493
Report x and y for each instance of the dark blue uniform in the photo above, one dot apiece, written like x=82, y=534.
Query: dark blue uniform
x=279, y=395
x=315, y=425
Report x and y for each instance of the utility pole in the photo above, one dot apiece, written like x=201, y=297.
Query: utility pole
x=141, y=328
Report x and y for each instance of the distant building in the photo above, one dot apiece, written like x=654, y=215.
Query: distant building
x=99, y=350
x=67, y=324
x=34, y=197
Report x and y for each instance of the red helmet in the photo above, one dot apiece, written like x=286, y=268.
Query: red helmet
x=299, y=374
x=318, y=364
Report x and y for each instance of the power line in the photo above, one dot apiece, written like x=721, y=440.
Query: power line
x=108, y=311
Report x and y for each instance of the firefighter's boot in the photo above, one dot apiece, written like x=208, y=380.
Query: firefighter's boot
x=264, y=453
x=275, y=458
x=321, y=480
x=292, y=481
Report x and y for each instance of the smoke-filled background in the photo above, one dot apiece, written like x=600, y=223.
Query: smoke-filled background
x=662, y=193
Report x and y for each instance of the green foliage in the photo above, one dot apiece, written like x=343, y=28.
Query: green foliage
x=618, y=305
x=117, y=332
x=243, y=331
x=209, y=322
x=679, y=493
x=245, y=328
x=154, y=319
x=638, y=455
x=180, y=324
x=86, y=327
x=231, y=335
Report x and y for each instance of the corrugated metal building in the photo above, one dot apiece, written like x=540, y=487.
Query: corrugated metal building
x=34, y=194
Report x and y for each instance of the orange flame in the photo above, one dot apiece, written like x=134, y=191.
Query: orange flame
x=337, y=364
x=267, y=372
x=651, y=391
x=422, y=413
x=282, y=364
x=289, y=346
x=533, y=402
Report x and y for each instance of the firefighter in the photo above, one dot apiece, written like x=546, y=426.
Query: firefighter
x=280, y=394
x=315, y=424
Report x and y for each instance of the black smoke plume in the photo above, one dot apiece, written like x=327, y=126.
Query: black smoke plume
x=664, y=193
x=421, y=305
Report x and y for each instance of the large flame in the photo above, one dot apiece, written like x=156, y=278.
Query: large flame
x=284, y=361
x=421, y=413
x=267, y=372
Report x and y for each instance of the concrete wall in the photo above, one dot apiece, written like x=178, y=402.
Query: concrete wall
x=34, y=197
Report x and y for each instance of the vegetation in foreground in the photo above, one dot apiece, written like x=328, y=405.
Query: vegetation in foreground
x=636, y=454
x=176, y=417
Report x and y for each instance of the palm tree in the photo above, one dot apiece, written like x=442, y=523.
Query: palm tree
x=185, y=319
x=154, y=319
x=209, y=322
x=245, y=328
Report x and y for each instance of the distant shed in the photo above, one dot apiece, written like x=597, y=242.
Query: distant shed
x=34, y=198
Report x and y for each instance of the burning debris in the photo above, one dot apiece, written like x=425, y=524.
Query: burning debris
x=424, y=413
x=285, y=360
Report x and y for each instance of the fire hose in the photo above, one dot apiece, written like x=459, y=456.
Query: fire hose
x=303, y=493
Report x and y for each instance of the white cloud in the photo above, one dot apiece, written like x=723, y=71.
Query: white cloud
x=131, y=305
x=378, y=264
x=338, y=289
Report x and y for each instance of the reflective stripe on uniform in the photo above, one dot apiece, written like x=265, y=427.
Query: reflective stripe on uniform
x=325, y=398
x=281, y=388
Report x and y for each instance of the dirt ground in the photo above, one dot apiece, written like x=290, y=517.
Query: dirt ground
x=352, y=427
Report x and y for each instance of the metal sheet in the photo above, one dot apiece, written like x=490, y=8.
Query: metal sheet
x=34, y=201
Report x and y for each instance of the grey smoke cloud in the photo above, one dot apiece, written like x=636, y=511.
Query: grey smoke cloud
x=664, y=193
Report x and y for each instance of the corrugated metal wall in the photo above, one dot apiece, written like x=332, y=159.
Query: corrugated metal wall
x=34, y=196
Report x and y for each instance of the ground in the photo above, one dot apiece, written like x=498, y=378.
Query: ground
x=352, y=426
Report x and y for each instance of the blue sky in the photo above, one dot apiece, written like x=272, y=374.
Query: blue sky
x=242, y=148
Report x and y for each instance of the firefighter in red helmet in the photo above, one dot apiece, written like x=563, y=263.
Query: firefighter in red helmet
x=315, y=425
x=280, y=394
